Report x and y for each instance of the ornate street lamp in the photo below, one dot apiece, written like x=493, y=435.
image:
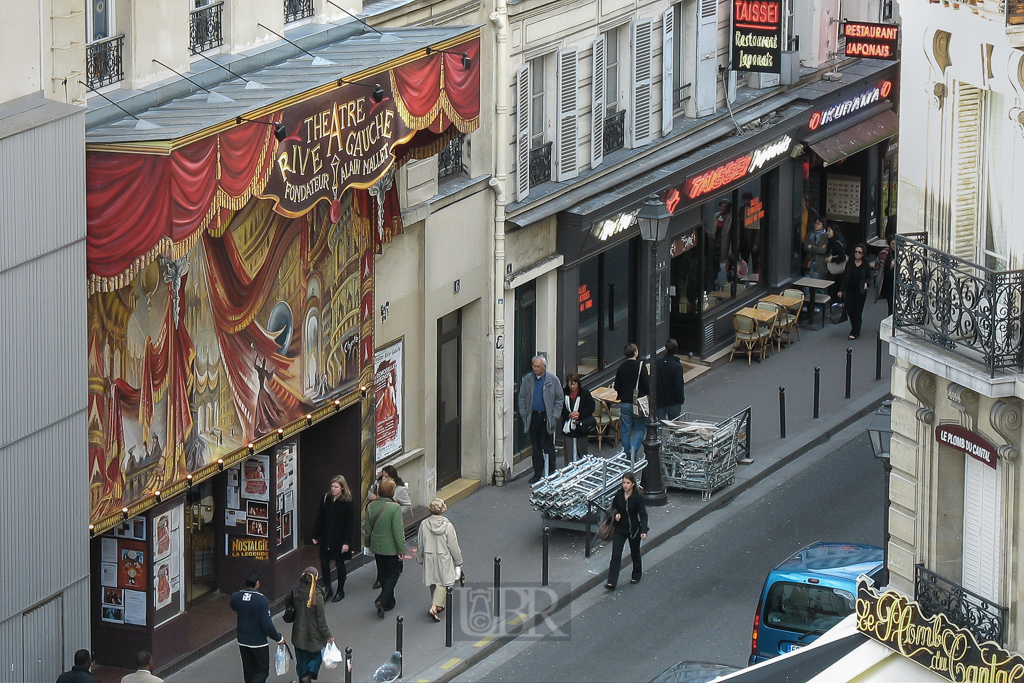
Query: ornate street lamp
x=653, y=218
x=880, y=433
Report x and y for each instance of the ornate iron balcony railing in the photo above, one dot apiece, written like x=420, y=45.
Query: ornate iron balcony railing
x=938, y=595
x=449, y=159
x=540, y=164
x=205, y=28
x=297, y=9
x=615, y=131
x=965, y=308
x=103, y=64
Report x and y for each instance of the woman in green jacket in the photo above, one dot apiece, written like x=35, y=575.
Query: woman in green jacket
x=310, y=633
x=386, y=532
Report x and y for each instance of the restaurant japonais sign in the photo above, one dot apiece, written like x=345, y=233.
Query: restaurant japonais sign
x=968, y=442
x=757, y=36
x=933, y=642
x=877, y=41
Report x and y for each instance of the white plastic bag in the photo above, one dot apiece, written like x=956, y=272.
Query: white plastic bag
x=331, y=655
x=281, y=659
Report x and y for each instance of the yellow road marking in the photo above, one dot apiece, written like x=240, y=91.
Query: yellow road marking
x=481, y=643
x=516, y=619
x=450, y=663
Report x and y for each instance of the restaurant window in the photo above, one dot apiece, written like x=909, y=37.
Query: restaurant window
x=606, y=300
x=735, y=224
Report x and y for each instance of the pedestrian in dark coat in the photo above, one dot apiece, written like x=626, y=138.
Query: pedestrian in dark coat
x=885, y=275
x=630, y=514
x=332, y=531
x=577, y=417
x=79, y=673
x=540, y=405
x=854, y=289
x=631, y=381
x=254, y=627
x=670, y=383
x=310, y=632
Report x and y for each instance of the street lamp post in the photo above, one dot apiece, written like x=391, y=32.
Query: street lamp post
x=880, y=433
x=653, y=218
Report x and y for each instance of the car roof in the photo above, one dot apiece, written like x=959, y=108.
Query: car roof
x=845, y=561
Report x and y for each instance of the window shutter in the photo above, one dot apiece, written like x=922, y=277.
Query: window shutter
x=523, y=132
x=707, y=57
x=640, y=84
x=567, y=133
x=668, y=47
x=967, y=170
x=597, y=106
x=982, y=528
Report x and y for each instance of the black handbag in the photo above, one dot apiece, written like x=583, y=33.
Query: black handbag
x=607, y=529
x=289, y=614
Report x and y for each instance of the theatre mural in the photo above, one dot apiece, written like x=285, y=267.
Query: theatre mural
x=231, y=278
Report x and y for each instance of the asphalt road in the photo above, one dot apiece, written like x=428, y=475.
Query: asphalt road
x=699, y=591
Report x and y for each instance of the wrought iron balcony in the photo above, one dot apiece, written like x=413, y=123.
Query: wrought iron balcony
x=297, y=9
x=103, y=64
x=615, y=131
x=540, y=164
x=449, y=159
x=960, y=306
x=204, y=27
x=938, y=595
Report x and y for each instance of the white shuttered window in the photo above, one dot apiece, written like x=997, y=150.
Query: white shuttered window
x=640, y=85
x=983, y=525
x=668, y=50
x=567, y=132
x=967, y=171
x=597, y=105
x=523, y=132
x=707, y=57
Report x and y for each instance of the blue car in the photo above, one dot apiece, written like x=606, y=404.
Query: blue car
x=809, y=593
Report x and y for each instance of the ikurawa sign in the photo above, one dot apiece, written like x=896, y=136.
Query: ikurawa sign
x=933, y=642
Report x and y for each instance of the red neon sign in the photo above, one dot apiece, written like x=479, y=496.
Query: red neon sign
x=850, y=105
x=672, y=200
x=709, y=181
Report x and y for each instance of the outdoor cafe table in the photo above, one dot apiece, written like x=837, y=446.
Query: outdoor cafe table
x=784, y=301
x=606, y=394
x=813, y=283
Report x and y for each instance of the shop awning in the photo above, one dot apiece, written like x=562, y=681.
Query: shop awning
x=857, y=137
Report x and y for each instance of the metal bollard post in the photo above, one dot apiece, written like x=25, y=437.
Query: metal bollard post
x=497, y=586
x=544, y=560
x=399, y=642
x=348, y=665
x=448, y=618
x=817, y=391
x=590, y=511
x=782, y=412
x=849, y=372
x=878, y=356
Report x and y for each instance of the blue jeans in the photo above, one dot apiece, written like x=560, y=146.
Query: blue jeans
x=670, y=412
x=633, y=429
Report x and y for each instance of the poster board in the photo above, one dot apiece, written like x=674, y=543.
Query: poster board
x=842, y=198
x=388, y=365
x=285, y=466
x=168, y=549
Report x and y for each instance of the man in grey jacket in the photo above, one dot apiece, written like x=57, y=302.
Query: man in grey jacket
x=540, y=406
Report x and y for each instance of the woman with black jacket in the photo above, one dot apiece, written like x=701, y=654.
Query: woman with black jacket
x=630, y=515
x=332, y=531
x=854, y=290
x=577, y=417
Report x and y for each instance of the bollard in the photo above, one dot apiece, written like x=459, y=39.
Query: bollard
x=587, y=520
x=849, y=372
x=782, y=412
x=817, y=391
x=399, y=642
x=497, y=586
x=348, y=665
x=878, y=356
x=544, y=559
x=448, y=618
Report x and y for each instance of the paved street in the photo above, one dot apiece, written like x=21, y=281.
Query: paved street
x=697, y=599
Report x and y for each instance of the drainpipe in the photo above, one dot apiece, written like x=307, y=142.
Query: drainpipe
x=499, y=184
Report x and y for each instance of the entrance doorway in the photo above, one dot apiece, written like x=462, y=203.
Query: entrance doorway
x=525, y=332
x=449, y=398
x=200, y=561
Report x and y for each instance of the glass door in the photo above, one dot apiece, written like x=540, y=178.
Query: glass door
x=200, y=562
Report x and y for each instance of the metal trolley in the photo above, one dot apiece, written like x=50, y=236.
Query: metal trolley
x=700, y=452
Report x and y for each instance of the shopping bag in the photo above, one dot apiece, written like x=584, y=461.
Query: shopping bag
x=284, y=653
x=331, y=655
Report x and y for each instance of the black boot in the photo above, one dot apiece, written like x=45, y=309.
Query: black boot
x=327, y=591
x=340, y=595
x=325, y=578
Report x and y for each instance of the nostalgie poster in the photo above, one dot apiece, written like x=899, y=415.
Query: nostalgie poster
x=388, y=378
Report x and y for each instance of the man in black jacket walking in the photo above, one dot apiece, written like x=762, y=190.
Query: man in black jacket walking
x=254, y=627
x=670, y=383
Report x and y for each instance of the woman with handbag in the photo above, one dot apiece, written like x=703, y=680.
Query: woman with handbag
x=332, y=531
x=854, y=289
x=632, y=387
x=440, y=555
x=577, y=417
x=310, y=633
x=629, y=514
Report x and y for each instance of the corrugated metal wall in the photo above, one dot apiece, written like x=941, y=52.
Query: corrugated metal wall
x=44, y=551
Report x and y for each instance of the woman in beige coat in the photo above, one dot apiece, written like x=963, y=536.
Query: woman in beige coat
x=439, y=554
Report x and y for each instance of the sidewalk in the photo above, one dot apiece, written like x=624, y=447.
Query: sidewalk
x=500, y=522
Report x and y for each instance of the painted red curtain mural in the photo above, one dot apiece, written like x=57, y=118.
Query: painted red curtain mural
x=437, y=90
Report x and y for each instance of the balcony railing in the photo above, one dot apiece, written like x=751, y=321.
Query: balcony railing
x=297, y=9
x=540, y=164
x=615, y=131
x=960, y=306
x=103, y=64
x=204, y=28
x=938, y=595
x=449, y=159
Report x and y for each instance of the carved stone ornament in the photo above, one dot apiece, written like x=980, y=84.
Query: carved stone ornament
x=1006, y=419
x=922, y=385
x=965, y=401
x=939, y=59
x=377, y=191
x=1015, y=71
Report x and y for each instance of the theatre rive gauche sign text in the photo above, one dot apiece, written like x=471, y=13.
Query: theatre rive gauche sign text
x=968, y=442
x=877, y=41
x=933, y=642
x=719, y=176
x=875, y=93
x=757, y=36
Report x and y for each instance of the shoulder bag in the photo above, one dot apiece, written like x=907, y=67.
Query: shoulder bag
x=641, y=404
x=836, y=268
x=289, y=611
x=607, y=528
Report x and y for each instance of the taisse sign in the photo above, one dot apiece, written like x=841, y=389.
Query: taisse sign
x=756, y=36
x=718, y=177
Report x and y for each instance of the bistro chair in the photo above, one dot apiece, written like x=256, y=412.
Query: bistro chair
x=771, y=329
x=748, y=335
x=605, y=422
x=793, y=313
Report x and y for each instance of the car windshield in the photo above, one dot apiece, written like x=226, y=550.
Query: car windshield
x=803, y=608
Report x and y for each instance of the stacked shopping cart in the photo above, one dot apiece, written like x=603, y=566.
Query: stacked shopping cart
x=699, y=452
x=585, y=485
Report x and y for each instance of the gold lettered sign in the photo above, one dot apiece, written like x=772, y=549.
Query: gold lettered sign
x=252, y=548
x=933, y=642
